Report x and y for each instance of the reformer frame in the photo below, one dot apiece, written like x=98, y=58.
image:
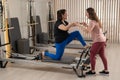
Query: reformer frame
x=76, y=65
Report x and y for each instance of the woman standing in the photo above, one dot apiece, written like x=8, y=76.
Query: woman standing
x=99, y=40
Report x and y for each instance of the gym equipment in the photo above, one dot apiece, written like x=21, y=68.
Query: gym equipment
x=34, y=26
x=23, y=46
x=18, y=44
x=66, y=62
x=76, y=65
x=51, y=21
x=5, y=21
x=31, y=21
x=41, y=37
x=16, y=32
x=1, y=10
x=4, y=27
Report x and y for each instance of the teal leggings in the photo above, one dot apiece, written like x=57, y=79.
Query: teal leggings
x=61, y=46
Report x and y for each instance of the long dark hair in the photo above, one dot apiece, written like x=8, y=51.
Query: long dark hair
x=93, y=16
x=60, y=13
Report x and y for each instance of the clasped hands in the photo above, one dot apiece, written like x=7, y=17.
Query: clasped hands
x=78, y=24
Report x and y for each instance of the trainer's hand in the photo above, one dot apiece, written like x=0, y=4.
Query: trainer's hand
x=77, y=24
x=72, y=24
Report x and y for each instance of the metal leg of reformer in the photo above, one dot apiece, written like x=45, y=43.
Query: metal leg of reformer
x=79, y=68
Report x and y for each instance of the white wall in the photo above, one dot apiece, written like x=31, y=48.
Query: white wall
x=18, y=8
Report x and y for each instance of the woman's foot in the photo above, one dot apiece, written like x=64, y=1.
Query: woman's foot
x=90, y=72
x=104, y=72
x=38, y=57
x=86, y=46
x=43, y=54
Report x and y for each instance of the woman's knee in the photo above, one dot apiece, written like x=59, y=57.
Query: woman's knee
x=58, y=55
x=92, y=55
x=75, y=33
x=57, y=58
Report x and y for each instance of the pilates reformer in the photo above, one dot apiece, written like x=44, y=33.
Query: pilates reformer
x=67, y=62
x=76, y=64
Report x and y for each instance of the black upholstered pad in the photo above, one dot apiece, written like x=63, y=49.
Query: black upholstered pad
x=74, y=46
x=65, y=60
x=15, y=33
